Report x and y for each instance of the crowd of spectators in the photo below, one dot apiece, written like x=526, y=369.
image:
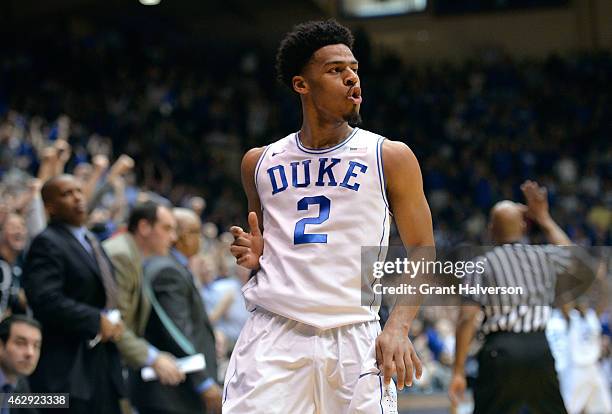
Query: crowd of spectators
x=478, y=128
x=167, y=119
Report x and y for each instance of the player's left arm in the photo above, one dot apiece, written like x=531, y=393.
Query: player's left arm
x=394, y=350
x=247, y=248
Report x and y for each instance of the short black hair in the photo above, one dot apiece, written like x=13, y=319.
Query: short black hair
x=142, y=211
x=5, y=325
x=298, y=46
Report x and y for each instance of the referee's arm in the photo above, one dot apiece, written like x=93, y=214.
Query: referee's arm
x=537, y=210
x=575, y=269
x=466, y=326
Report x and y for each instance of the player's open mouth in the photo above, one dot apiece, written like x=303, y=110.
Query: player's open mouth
x=355, y=95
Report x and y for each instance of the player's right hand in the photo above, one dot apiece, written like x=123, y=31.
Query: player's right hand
x=247, y=248
x=166, y=369
x=456, y=389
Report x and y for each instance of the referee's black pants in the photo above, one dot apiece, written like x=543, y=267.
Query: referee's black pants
x=517, y=370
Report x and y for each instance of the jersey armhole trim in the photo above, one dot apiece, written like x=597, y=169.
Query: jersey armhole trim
x=381, y=172
x=261, y=158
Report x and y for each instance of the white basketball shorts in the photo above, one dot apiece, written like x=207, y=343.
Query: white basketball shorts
x=283, y=366
x=585, y=390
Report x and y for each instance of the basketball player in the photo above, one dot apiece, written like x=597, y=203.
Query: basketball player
x=321, y=193
x=556, y=334
x=587, y=390
x=575, y=337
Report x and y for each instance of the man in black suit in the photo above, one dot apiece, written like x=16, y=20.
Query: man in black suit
x=20, y=339
x=70, y=286
x=178, y=325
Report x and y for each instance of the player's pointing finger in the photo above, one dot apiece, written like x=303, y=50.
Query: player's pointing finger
x=254, y=224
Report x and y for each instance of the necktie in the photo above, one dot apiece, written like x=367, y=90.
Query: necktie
x=110, y=286
x=7, y=389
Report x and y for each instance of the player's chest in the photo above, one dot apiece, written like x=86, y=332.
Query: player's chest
x=332, y=173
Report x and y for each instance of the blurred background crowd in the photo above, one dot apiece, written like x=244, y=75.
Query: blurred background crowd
x=479, y=127
x=165, y=116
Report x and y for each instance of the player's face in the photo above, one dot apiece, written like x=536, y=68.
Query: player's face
x=333, y=84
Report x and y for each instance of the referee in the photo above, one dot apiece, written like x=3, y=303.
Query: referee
x=516, y=368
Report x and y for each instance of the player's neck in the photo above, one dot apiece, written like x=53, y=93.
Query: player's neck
x=324, y=134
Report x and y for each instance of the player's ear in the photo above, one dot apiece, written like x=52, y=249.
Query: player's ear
x=300, y=85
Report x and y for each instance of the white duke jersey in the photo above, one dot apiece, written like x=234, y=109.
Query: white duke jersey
x=584, y=337
x=320, y=206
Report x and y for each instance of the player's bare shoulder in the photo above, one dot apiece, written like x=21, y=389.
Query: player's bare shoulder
x=247, y=169
x=400, y=163
x=251, y=158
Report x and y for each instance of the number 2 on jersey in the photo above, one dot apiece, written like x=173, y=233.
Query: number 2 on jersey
x=299, y=237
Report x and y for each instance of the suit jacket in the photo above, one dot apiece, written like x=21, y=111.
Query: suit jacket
x=133, y=304
x=22, y=386
x=175, y=301
x=63, y=285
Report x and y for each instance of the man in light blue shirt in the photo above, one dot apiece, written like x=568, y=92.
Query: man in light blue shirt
x=225, y=306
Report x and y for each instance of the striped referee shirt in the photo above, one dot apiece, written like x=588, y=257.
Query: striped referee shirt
x=535, y=269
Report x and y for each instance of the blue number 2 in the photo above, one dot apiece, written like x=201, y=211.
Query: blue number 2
x=299, y=237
